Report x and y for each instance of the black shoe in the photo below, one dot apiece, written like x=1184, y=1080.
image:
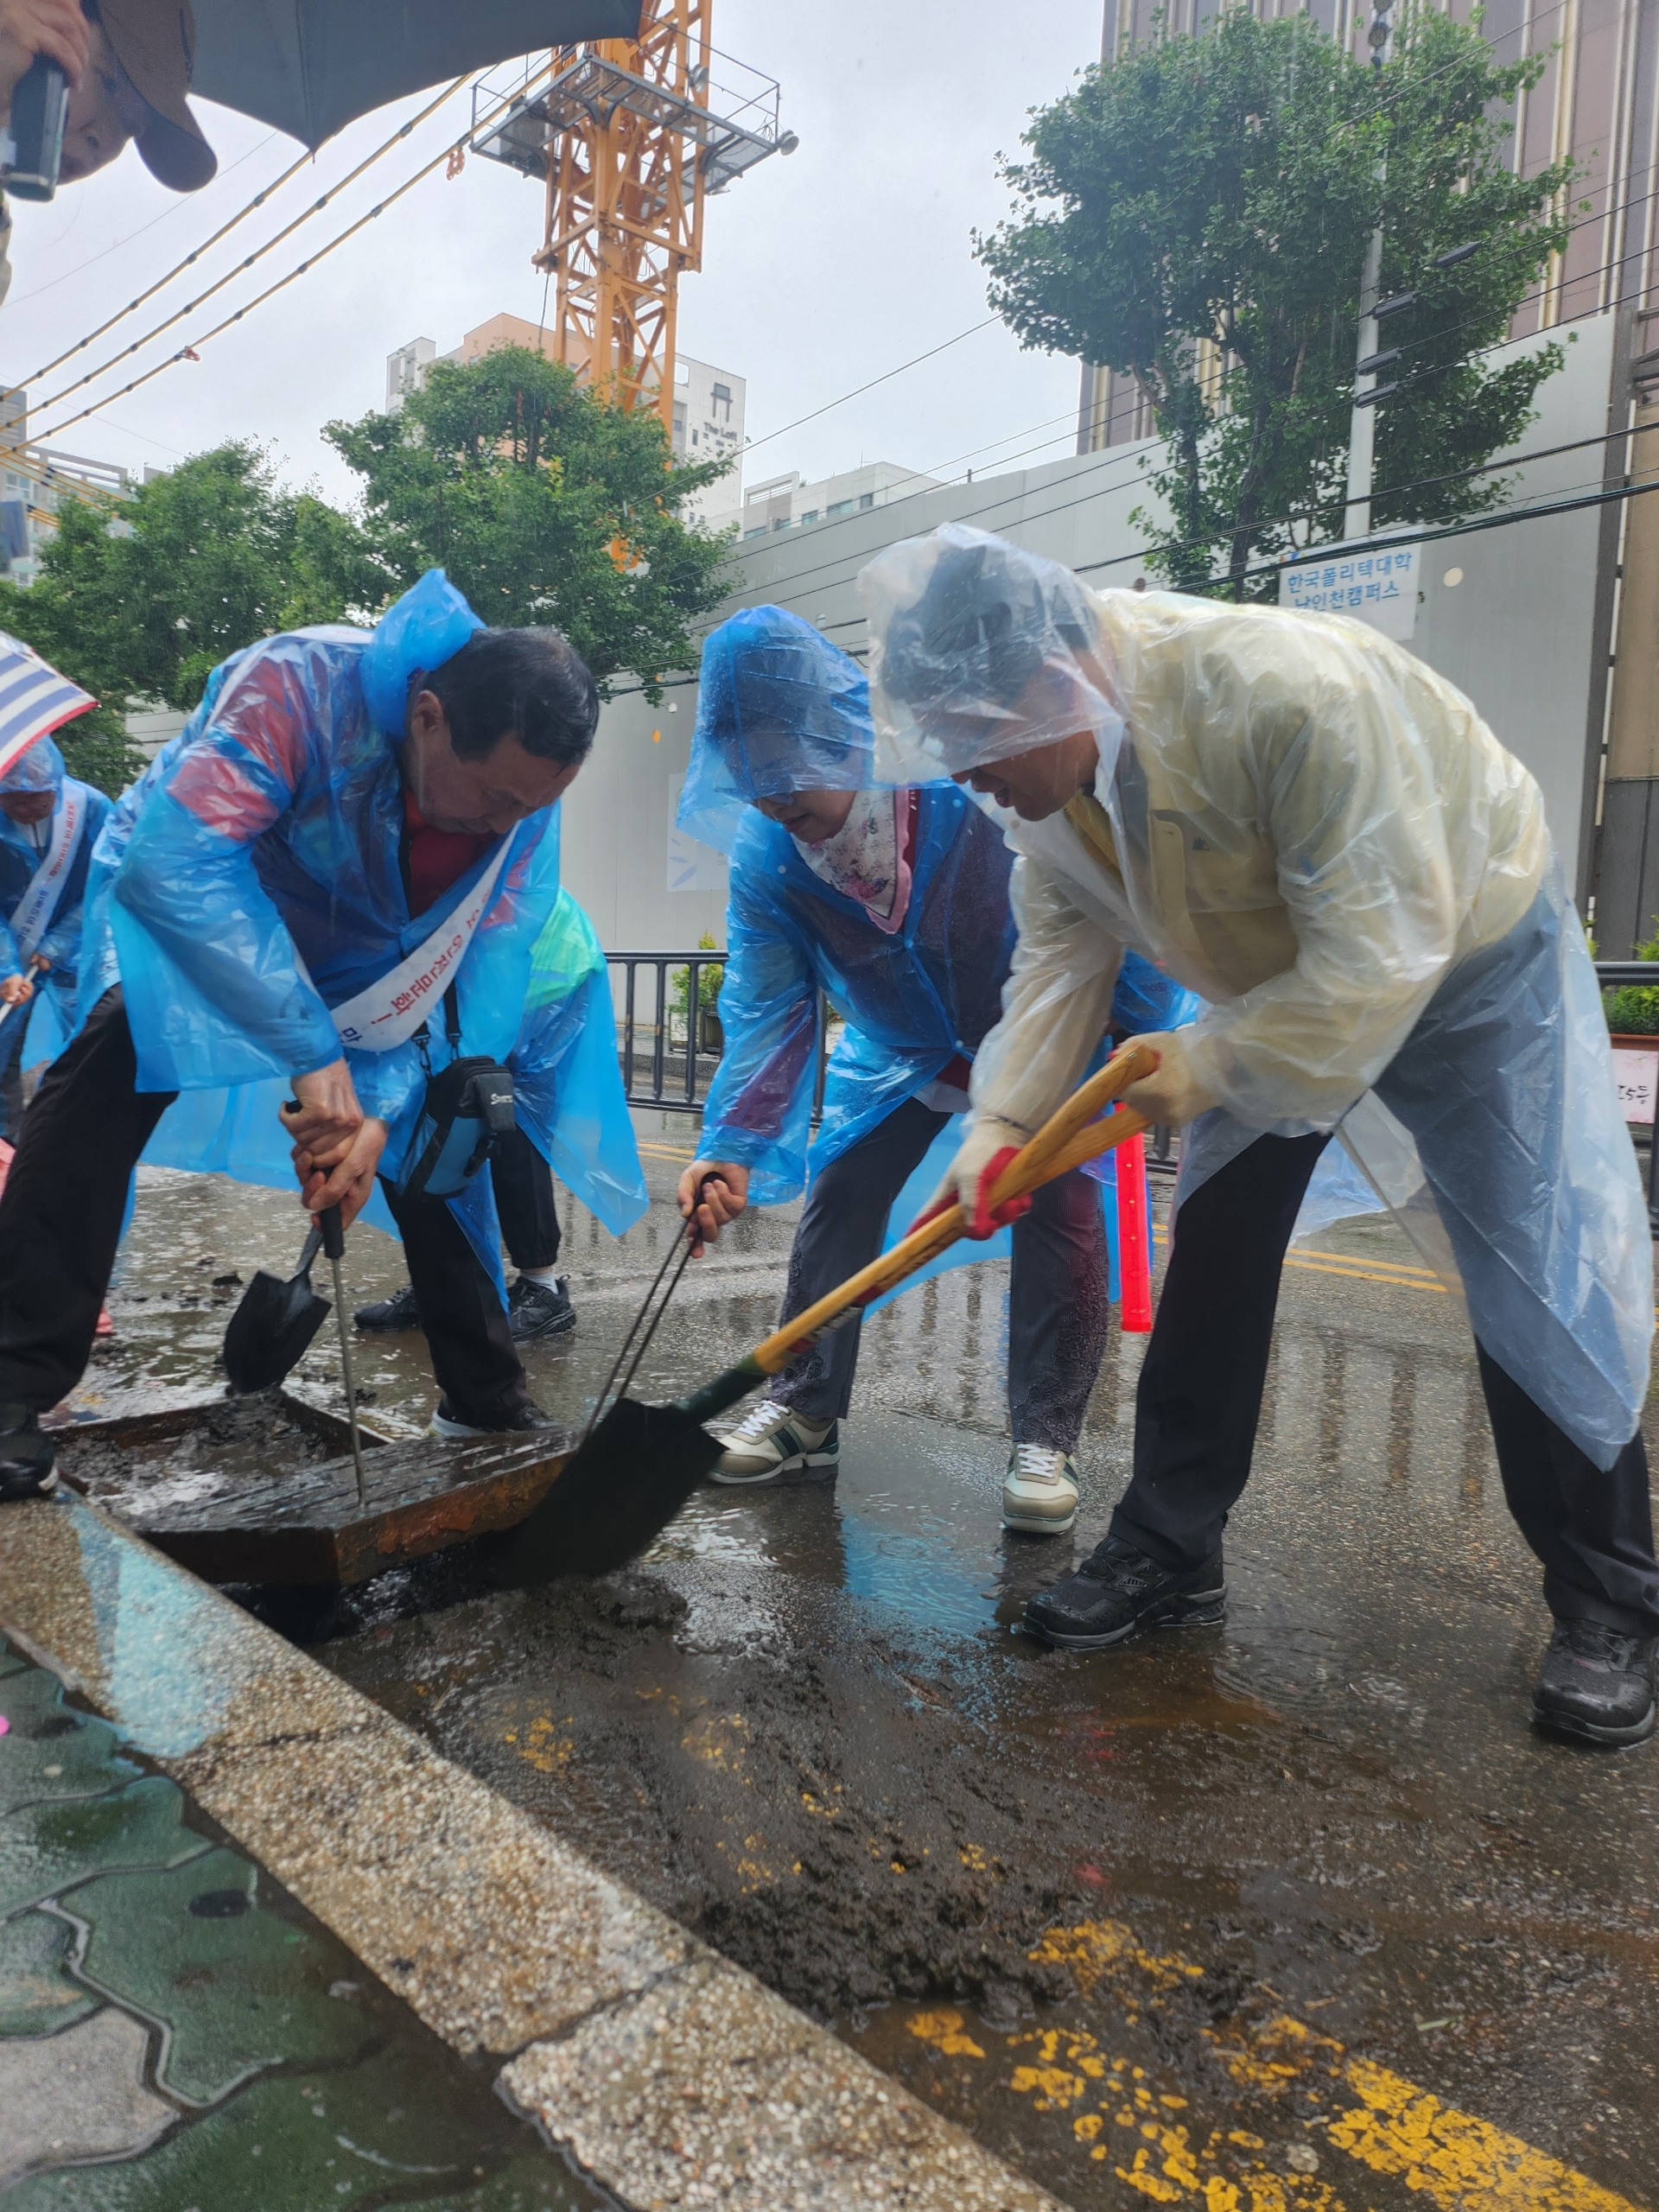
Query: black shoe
x=462, y=1427
x=28, y=1459
x=1596, y=1684
x=539, y=1309
x=400, y=1311
x=1118, y=1591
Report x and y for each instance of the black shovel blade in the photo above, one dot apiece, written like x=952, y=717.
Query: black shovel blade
x=614, y=1497
x=271, y=1330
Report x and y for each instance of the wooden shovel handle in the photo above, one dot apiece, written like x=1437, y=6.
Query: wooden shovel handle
x=1070, y=1135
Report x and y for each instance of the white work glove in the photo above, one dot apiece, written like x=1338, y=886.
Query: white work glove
x=1174, y=1096
x=985, y=1152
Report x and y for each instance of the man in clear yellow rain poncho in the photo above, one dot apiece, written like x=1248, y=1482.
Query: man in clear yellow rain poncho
x=1313, y=831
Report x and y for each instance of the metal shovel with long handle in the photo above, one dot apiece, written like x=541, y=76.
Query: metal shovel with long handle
x=640, y=1464
x=333, y=1249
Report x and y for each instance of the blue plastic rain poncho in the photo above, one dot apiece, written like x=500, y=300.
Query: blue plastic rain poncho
x=251, y=880
x=1317, y=834
x=779, y=710
x=916, y=996
x=42, y=886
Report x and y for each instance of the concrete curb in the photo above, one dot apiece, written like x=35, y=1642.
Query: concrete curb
x=674, y=2077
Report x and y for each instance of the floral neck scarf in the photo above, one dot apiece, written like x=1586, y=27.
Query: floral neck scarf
x=866, y=859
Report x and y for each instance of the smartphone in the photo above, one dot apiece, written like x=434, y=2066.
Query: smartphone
x=39, y=107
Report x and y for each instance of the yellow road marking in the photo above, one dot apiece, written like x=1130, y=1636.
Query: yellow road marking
x=1386, y=2124
x=1117, y=2112
x=1397, y=1277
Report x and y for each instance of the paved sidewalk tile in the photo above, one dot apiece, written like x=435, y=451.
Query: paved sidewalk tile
x=177, y=2034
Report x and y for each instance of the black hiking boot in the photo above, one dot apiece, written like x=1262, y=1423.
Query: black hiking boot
x=539, y=1309
x=1597, y=1685
x=400, y=1311
x=522, y=1419
x=28, y=1459
x=1118, y=1591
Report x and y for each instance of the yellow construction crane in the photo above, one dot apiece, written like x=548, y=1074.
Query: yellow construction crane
x=631, y=135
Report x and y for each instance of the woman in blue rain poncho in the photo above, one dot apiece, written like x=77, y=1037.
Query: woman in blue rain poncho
x=335, y=877
x=568, y=1085
x=49, y=822
x=894, y=904
x=1322, y=837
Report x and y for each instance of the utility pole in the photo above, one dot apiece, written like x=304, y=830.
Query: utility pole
x=1362, y=432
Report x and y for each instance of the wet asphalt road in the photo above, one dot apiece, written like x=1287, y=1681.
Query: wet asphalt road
x=1290, y=1916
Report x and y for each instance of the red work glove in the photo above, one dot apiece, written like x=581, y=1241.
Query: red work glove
x=968, y=1182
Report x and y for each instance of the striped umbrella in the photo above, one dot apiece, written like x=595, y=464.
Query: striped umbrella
x=34, y=700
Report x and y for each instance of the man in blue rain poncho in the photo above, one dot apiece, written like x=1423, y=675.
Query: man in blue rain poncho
x=567, y=1080
x=1321, y=837
x=49, y=822
x=334, y=876
x=895, y=905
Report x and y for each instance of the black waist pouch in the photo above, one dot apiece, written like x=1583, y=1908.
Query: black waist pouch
x=468, y=1108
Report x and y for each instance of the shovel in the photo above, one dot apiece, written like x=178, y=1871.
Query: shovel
x=273, y=1326
x=640, y=1464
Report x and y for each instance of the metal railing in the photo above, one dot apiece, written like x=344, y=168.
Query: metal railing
x=668, y=1043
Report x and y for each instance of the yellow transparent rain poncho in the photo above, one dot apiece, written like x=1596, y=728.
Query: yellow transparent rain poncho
x=1312, y=830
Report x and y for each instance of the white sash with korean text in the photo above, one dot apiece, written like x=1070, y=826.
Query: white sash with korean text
x=39, y=904
x=388, y=1012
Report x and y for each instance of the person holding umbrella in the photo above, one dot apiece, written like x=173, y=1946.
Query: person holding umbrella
x=330, y=885
x=894, y=904
x=128, y=65
x=1321, y=835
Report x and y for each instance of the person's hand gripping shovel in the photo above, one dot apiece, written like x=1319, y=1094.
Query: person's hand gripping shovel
x=638, y=1465
x=21, y=996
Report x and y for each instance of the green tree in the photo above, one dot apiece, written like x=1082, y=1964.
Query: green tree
x=140, y=605
x=545, y=505
x=1196, y=216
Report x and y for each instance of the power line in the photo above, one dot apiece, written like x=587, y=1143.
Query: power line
x=1540, y=513
x=258, y=254
x=886, y=376
x=179, y=208
x=282, y=282
x=1136, y=454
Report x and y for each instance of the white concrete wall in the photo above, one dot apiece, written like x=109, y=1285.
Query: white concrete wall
x=1515, y=634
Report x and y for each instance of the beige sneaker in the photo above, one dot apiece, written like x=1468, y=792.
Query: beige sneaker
x=1039, y=1491
x=772, y=1440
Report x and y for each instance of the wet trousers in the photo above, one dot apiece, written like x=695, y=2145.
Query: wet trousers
x=524, y=1202
x=1057, y=1311
x=61, y=1222
x=1200, y=1397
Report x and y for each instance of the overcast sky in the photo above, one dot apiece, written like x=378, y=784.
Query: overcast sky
x=821, y=270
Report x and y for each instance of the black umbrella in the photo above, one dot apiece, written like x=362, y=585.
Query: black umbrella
x=311, y=66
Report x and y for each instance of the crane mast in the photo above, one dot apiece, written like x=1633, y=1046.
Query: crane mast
x=633, y=134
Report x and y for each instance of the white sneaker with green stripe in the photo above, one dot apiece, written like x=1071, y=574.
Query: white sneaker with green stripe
x=1039, y=1491
x=772, y=1440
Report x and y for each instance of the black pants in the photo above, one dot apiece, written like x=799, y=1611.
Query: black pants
x=1200, y=1398
x=61, y=1222
x=11, y=1074
x=1058, y=1313
x=523, y=1200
